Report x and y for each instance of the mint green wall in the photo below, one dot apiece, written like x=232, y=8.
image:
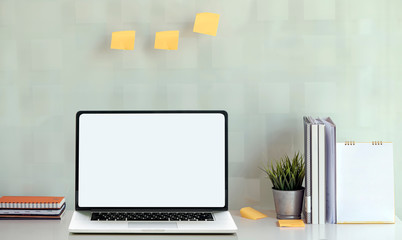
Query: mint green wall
x=272, y=62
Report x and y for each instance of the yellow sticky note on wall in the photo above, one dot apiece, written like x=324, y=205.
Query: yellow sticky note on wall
x=123, y=40
x=168, y=40
x=291, y=223
x=251, y=213
x=206, y=23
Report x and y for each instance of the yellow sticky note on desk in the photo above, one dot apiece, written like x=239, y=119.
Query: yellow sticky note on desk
x=123, y=40
x=206, y=23
x=291, y=223
x=251, y=213
x=168, y=40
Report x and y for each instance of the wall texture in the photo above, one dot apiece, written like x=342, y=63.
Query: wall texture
x=272, y=62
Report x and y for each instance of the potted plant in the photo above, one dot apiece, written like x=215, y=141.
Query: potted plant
x=287, y=177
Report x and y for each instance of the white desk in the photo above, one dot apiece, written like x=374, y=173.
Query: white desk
x=248, y=230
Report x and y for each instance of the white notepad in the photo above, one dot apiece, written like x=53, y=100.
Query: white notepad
x=365, y=183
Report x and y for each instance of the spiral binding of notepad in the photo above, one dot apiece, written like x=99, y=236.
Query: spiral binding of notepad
x=350, y=143
x=372, y=142
x=31, y=202
x=28, y=205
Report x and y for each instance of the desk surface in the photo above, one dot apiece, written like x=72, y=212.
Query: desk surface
x=248, y=229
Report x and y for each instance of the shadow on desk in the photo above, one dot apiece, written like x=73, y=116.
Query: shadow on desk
x=103, y=236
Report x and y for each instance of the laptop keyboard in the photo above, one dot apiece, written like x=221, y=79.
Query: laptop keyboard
x=151, y=216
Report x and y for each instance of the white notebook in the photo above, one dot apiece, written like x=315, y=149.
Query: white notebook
x=321, y=173
x=365, y=182
x=314, y=173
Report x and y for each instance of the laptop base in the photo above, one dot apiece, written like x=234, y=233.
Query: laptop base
x=223, y=224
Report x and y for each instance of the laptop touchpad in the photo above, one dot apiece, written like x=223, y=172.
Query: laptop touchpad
x=152, y=225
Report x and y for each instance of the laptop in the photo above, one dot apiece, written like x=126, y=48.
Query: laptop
x=151, y=172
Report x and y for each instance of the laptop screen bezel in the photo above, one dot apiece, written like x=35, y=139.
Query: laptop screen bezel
x=79, y=113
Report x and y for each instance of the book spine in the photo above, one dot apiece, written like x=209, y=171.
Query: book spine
x=334, y=178
x=314, y=173
x=321, y=174
x=307, y=182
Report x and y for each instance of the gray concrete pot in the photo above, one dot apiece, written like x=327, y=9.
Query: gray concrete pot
x=288, y=204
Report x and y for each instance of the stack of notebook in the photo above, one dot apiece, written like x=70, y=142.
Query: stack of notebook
x=24, y=207
x=319, y=148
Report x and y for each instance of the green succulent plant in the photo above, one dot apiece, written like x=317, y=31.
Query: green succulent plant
x=287, y=174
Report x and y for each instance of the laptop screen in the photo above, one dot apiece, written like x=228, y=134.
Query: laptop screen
x=151, y=159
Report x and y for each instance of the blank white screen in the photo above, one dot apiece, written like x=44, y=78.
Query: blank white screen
x=152, y=160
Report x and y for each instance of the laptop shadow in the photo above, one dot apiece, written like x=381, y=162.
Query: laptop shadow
x=162, y=236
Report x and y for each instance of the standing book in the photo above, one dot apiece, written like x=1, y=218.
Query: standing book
x=321, y=173
x=330, y=165
x=365, y=182
x=314, y=172
x=307, y=159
